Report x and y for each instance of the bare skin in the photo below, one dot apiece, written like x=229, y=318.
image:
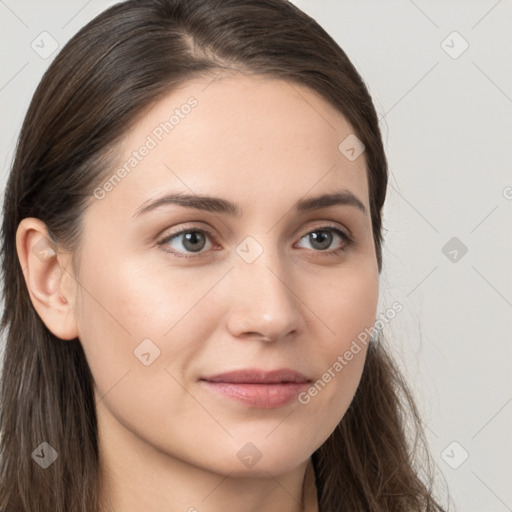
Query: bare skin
x=167, y=441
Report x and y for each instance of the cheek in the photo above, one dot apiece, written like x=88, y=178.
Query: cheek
x=347, y=308
x=347, y=305
x=134, y=313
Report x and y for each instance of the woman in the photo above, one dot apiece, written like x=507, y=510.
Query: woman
x=191, y=251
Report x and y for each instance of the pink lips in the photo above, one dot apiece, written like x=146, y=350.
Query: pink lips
x=258, y=388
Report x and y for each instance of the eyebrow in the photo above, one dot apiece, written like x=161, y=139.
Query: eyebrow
x=219, y=205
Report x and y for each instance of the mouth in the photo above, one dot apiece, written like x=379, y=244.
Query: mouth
x=255, y=376
x=258, y=388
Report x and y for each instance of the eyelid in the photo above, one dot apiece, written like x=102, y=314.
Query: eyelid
x=320, y=225
x=345, y=233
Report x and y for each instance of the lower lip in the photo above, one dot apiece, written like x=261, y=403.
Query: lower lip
x=263, y=396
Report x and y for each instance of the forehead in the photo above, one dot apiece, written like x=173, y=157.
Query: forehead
x=253, y=137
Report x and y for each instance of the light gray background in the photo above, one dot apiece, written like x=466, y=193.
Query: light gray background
x=447, y=127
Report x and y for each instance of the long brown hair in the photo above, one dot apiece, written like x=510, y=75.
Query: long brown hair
x=108, y=74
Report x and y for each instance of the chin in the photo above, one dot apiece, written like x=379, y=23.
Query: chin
x=257, y=456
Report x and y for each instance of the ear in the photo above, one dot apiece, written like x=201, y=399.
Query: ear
x=51, y=285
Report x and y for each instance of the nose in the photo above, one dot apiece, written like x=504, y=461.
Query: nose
x=264, y=303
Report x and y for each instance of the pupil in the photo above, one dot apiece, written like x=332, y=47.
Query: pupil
x=325, y=239
x=193, y=238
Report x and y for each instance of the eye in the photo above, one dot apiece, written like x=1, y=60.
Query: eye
x=194, y=240
x=322, y=238
x=191, y=240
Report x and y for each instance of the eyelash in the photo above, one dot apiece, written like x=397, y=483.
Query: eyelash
x=348, y=240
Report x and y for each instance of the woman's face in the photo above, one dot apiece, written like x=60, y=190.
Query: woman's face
x=268, y=288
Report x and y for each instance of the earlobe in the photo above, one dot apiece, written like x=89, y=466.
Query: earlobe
x=47, y=277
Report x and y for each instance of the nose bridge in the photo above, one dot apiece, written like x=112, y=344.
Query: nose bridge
x=263, y=298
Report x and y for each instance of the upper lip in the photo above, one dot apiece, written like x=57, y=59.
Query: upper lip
x=257, y=376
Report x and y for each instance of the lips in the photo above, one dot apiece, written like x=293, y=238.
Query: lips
x=258, y=388
x=255, y=376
